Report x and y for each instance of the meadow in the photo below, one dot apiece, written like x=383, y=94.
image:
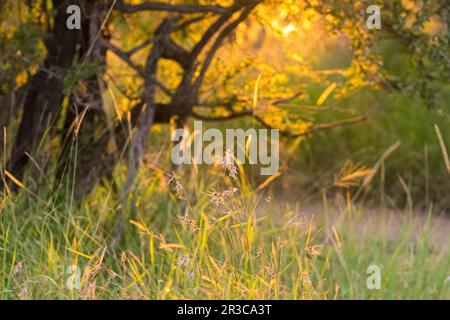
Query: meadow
x=93, y=205
x=208, y=236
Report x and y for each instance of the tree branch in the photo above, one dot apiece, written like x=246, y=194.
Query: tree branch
x=156, y=6
x=288, y=99
x=314, y=129
x=233, y=115
x=124, y=56
x=216, y=26
x=144, y=44
x=218, y=42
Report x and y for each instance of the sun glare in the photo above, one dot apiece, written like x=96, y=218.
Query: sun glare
x=288, y=29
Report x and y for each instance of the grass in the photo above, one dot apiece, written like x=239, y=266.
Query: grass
x=207, y=236
x=212, y=237
x=391, y=118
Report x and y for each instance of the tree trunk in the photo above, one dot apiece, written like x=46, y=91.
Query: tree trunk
x=86, y=119
x=46, y=90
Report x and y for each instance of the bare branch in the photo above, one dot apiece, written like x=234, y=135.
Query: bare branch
x=289, y=99
x=144, y=44
x=188, y=22
x=124, y=56
x=156, y=6
x=233, y=115
x=249, y=112
x=315, y=128
x=216, y=26
x=340, y=123
x=218, y=42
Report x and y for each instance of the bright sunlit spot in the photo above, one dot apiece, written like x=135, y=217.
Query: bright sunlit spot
x=288, y=29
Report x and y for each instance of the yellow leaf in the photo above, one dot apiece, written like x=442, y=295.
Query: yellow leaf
x=324, y=96
x=268, y=181
x=15, y=180
x=79, y=253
